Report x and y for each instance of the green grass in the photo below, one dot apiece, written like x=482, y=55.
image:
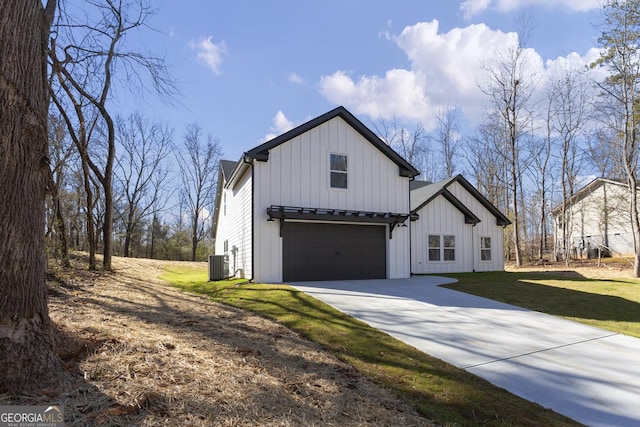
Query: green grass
x=439, y=391
x=612, y=304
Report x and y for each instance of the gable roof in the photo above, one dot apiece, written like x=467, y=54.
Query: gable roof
x=424, y=195
x=415, y=184
x=261, y=152
x=227, y=167
x=586, y=190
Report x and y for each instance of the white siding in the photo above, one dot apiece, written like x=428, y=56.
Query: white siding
x=487, y=227
x=234, y=226
x=440, y=217
x=588, y=224
x=297, y=174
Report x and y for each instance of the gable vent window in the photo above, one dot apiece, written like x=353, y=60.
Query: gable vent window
x=338, y=165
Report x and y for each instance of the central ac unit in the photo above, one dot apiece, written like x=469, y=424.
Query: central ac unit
x=218, y=267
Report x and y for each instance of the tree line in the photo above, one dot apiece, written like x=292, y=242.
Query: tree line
x=111, y=181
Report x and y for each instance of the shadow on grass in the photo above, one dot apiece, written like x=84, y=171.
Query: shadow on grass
x=439, y=390
x=525, y=290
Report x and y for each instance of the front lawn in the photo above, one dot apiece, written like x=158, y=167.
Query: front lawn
x=439, y=391
x=612, y=304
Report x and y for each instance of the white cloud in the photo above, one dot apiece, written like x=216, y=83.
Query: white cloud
x=280, y=125
x=471, y=8
x=399, y=92
x=295, y=78
x=446, y=69
x=210, y=53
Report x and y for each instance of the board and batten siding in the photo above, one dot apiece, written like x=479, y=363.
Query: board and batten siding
x=441, y=218
x=297, y=174
x=235, y=226
x=487, y=227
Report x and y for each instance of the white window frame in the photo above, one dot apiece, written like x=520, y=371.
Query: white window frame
x=434, y=248
x=338, y=171
x=441, y=248
x=446, y=248
x=484, y=249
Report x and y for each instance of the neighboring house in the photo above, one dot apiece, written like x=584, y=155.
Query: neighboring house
x=597, y=216
x=326, y=200
x=330, y=200
x=454, y=228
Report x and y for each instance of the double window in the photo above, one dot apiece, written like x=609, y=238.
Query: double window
x=338, y=170
x=441, y=248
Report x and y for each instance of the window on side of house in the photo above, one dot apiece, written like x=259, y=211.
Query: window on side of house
x=449, y=248
x=485, y=248
x=441, y=248
x=338, y=170
x=434, y=247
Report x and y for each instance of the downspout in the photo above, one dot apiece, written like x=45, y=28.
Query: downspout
x=253, y=210
x=409, y=219
x=473, y=248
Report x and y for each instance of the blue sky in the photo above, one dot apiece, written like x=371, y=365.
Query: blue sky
x=250, y=70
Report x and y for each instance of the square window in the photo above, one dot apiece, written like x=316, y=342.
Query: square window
x=449, y=241
x=338, y=171
x=338, y=180
x=339, y=162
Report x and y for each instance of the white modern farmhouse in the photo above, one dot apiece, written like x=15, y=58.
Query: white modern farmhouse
x=454, y=228
x=330, y=200
x=326, y=200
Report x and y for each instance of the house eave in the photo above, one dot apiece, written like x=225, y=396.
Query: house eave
x=261, y=152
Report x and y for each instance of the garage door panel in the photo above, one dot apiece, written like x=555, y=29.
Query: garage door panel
x=313, y=251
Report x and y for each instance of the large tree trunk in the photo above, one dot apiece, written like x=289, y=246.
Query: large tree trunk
x=27, y=349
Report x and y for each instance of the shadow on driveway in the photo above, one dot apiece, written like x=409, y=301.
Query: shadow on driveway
x=585, y=373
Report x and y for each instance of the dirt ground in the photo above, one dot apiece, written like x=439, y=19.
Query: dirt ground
x=607, y=268
x=139, y=352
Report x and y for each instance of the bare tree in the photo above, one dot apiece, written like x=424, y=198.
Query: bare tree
x=620, y=44
x=568, y=111
x=90, y=57
x=140, y=172
x=447, y=134
x=60, y=152
x=412, y=145
x=510, y=86
x=26, y=332
x=483, y=152
x=540, y=153
x=198, y=162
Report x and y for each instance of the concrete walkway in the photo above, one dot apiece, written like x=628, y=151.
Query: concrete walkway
x=588, y=374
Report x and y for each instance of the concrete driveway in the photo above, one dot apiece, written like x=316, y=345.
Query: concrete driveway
x=588, y=374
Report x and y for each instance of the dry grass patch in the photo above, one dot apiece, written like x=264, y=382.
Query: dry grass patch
x=142, y=353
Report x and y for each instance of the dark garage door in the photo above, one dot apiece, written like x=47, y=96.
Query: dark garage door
x=313, y=251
